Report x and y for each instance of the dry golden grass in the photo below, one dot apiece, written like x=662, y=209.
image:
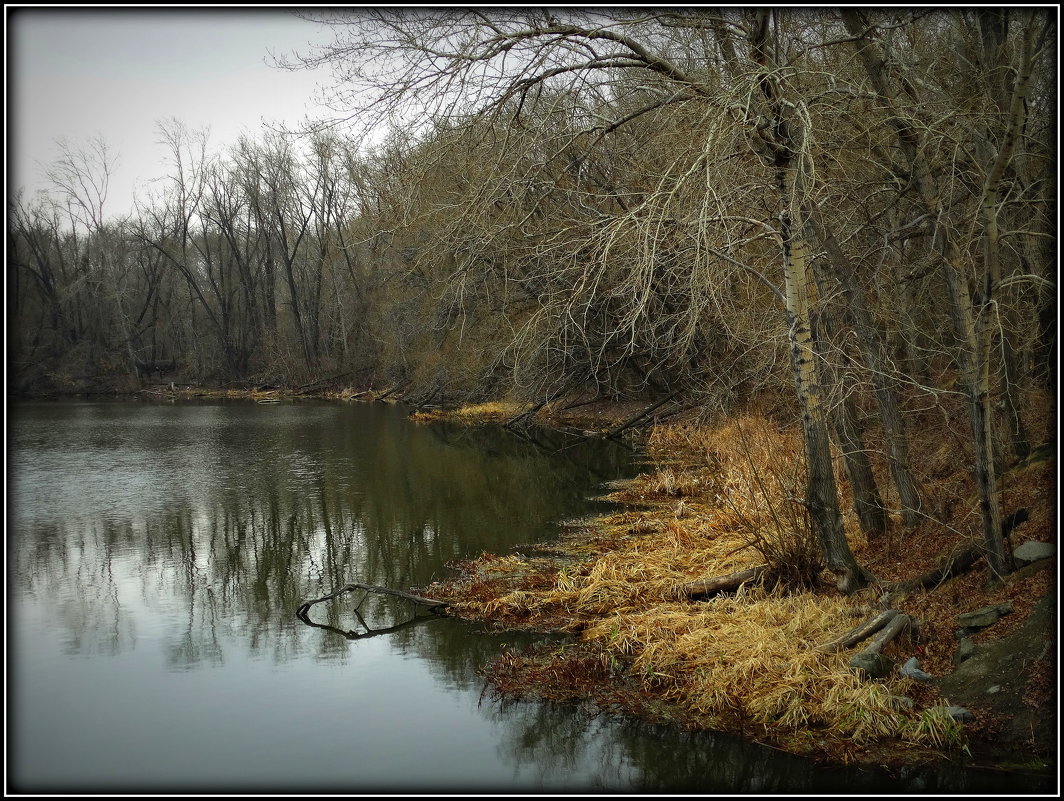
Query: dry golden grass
x=735, y=660
x=751, y=657
x=747, y=658
x=491, y=412
x=725, y=501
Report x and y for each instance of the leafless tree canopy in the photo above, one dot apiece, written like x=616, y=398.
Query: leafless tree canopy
x=848, y=211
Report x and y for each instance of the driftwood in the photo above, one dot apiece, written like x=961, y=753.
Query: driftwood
x=431, y=603
x=705, y=588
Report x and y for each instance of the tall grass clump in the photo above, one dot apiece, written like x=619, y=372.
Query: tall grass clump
x=752, y=659
x=760, y=492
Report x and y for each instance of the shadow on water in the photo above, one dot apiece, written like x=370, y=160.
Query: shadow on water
x=171, y=541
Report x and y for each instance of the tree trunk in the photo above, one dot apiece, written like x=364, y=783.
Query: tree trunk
x=868, y=504
x=866, y=498
x=874, y=356
x=973, y=357
x=821, y=494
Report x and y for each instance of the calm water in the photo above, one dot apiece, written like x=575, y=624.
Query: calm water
x=157, y=555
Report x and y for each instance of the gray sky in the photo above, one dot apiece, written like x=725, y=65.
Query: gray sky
x=116, y=73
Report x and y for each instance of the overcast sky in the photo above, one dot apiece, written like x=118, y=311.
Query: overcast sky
x=77, y=73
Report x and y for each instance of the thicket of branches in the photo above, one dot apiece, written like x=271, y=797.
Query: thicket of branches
x=852, y=208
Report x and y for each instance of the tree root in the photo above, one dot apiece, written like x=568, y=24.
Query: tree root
x=870, y=660
x=898, y=623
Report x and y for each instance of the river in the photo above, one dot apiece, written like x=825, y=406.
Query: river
x=157, y=553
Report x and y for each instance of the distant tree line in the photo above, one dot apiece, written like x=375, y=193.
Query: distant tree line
x=850, y=209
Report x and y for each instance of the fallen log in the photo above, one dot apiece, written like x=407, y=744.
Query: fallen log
x=870, y=660
x=953, y=564
x=858, y=633
x=639, y=417
x=705, y=588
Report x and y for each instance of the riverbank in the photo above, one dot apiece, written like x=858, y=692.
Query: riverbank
x=748, y=662
x=751, y=662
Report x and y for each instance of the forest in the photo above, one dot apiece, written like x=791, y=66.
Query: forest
x=845, y=215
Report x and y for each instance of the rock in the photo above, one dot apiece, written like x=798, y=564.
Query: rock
x=1033, y=552
x=902, y=702
x=873, y=665
x=911, y=670
x=987, y=616
x=1010, y=662
x=964, y=650
x=959, y=713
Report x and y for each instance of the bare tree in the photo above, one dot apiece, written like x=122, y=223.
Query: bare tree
x=972, y=313
x=459, y=66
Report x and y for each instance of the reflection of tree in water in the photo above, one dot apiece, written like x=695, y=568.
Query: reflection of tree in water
x=75, y=578
x=635, y=756
x=560, y=740
x=199, y=643
x=708, y=762
x=293, y=511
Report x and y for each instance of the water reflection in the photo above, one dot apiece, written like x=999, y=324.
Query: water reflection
x=157, y=556
x=237, y=515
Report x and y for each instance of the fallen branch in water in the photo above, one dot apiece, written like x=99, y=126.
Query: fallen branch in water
x=303, y=615
x=431, y=603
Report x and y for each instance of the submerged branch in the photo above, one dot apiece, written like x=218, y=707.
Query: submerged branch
x=432, y=604
x=359, y=635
